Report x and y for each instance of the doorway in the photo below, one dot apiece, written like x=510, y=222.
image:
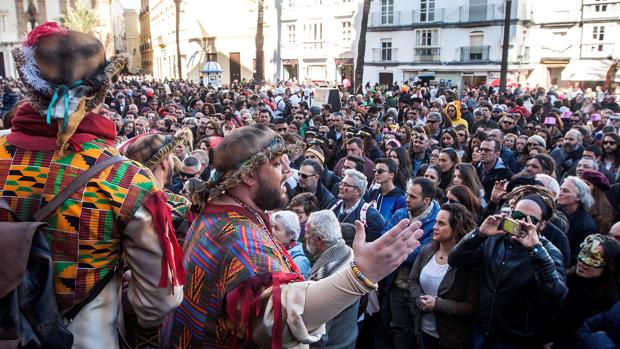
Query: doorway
x=386, y=79
x=235, y=67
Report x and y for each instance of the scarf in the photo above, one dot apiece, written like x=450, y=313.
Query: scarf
x=330, y=261
x=32, y=133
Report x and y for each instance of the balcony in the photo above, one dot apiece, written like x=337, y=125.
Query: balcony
x=427, y=54
x=479, y=13
x=475, y=53
x=437, y=15
x=314, y=45
x=597, y=50
x=385, y=55
x=379, y=19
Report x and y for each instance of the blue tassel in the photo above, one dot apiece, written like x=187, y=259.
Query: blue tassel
x=64, y=91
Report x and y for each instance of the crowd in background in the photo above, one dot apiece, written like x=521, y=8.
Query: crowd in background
x=466, y=164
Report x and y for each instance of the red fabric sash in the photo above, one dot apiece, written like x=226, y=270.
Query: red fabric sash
x=172, y=260
x=32, y=133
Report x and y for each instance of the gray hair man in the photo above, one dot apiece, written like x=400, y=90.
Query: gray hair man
x=351, y=206
x=324, y=241
x=567, y=157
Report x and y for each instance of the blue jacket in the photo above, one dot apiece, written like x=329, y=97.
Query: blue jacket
x=389, y=204
x=428, y=223
x=300, y=259
x=601, y=330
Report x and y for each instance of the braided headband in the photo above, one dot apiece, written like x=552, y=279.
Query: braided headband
x=218, y=183
x=167, y=147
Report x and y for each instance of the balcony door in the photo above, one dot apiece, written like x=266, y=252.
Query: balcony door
x=477, y=10
x=387, y=12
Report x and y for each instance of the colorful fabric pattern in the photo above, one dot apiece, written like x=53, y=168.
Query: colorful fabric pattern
x=84, y=232
x=223, y=249
x=180, y=206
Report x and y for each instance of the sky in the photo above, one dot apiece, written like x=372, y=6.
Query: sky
x=134, y=4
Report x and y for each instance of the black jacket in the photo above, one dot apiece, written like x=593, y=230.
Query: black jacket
x=374, y=220
x=519, y=288
x=580, y=225
x=565, y=162
x=457, y=301
x=323, y=196
x=488, y=179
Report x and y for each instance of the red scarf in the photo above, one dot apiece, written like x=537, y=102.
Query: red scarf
x=32, y=133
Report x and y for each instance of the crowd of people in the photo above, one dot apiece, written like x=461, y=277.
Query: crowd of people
x=514, y=196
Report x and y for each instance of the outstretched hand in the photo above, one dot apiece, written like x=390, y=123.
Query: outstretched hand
x=379, y=258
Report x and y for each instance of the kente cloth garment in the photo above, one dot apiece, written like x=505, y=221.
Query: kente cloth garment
x=181, y=215
x=84, y=232
x=225, y=249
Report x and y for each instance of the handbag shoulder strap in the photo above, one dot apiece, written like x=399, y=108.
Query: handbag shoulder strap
x=80, y=181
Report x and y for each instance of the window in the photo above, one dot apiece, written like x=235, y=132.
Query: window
x=598, y=32
x=386, y=50
x=211, y=57
x=4, y=21
x=387, y=11
x=600, y=7
x=427, y=10
x=427, y=37
x=346, y=31
x=291, y=32
x=314, y=31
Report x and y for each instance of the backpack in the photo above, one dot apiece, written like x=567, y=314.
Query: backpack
x=29, y=315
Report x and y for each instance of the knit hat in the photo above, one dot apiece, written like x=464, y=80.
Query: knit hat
x=538, y=139
x=597, y=179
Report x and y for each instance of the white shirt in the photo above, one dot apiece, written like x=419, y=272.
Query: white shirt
x=430, y=278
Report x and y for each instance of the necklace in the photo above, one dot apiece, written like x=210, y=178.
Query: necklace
x=283, y=254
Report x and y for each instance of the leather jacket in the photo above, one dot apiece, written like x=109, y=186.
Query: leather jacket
x=519, y=287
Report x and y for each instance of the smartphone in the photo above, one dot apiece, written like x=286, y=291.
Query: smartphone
x=511, y=226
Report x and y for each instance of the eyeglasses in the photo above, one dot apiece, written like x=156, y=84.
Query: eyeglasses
x=306, y=176
x=485, y=150
x=347, y=185
x=187, y=175
x=529, y=127
x=609, y=143
x=522, y=216
x=379, y=170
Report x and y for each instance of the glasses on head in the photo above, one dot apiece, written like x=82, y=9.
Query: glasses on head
x=609, y=143
x=306, y=176
x=379, y=170
x=522, y=216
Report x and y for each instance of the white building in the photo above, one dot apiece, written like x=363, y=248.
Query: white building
x=224, y=33
x=457, y=41
x=319, y=39
x=132, y=40
x=577, y=41
x=460, y=41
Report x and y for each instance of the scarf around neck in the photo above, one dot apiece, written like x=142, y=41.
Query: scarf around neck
x=32, y=133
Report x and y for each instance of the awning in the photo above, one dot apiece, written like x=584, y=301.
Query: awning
x=586, y=70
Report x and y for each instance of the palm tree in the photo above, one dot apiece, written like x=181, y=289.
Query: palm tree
x=260, y=54
x=80, y=18
x=361, y=50
x=177, y=13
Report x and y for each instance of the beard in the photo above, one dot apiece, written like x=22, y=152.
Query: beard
x=270, y=198
x=311, y=249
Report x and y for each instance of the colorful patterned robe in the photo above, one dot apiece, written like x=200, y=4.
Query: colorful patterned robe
x=224, y=249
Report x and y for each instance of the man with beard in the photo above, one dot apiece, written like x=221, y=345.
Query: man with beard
x=567, y=157
x=486, y=122
x=610, y=162
x=310, y=173
x=243, y=288
x=325, y=243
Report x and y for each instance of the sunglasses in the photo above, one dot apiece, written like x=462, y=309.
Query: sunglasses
x=210, y=128
x=522, y=216
x=187, y=175
x=379, y=170
x=306, y=176
x=282, y=129
x=609, y=143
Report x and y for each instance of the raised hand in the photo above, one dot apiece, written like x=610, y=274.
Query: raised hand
x=529, y=236
x=379, y=258
x=490, y=226
x=499, y=190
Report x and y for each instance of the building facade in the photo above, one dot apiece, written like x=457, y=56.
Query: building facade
x=132, y=40
x=458, y=42
x=17, y=17
x=146, y=48
x=577, y=42
x=319, y=39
